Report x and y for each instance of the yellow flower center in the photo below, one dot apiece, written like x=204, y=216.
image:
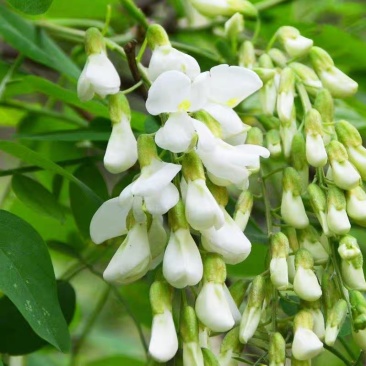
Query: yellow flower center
x=231, y=102
x=184, y=105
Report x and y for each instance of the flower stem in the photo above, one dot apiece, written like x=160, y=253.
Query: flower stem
x=338, y=354
x=135, y=13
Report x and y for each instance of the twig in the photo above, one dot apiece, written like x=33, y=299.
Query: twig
x=338, y=354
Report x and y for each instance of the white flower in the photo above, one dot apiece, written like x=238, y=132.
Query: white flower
x=316, y=154
x=109, y=221
x=98, y=77
x=202, y=210
x=293, y=210
x=318, y=322
x=166, y=58
x=356, y=204
x=229, y=241
x=279, y=273
x=345, y=175
x=132, y=259
x=121, y=152
x=212, y=8
x=174, y=91
x=338, y=221
x=213, y=309
x=357, y=155
x=306, y=284
x=337, y=82
x=182, y=264
x=192, y=354
x=286, y=95
x=353, y=275
x=295, y=44
x=306, y=345
x=249, y=323
x=268, y=97
x=164, y=341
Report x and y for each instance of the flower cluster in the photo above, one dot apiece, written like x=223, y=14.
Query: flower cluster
x=176, y=215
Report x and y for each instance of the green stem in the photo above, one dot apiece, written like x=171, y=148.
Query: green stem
x=135, y=13
x=76, y=22
x=134, y=87
x=338, y=354
x=18, y=61
x=108, y=17
x=141, y=51
x=89, y=325
x=257, y=29
x=34, y=168
x=275, y=171
x=359, y=360
x=267, y=4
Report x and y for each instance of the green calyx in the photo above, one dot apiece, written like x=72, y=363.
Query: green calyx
x=324, y=104
x=348, y=134
x=279, y=245
x=209, y=121
x=160, y=297
x=303, y=319
x=220, y=194
x=192, y=167
x=313, y=122
x=255, y=136
x=177, y=217
x=304, y=259
x=214, y=268
x=292, y=181
x=156, y=36
x=231, y=342
x=320, y=59
x=146, y=150
x=94, y=41
x=257, y=292
x=337, y=152
x=336, y=198
x=317, y=198
x=298, y=152
x=277, y=349
x=189, y=325
x=119, y=108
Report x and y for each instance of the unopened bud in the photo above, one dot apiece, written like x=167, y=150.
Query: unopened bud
x=310, y=240
x=234, y=26
x=307, y=77
x=316, y=154
x=243, y=209
x=294, y=43
x=273, y=142
x=337, y=219
x=94, y=41
x=335, y=321
x=247, y=55
x=306, y=284
x=255, y=136
x=330, y=291
x=264, y=74
x=189, y=325
x=325, y=106
x=252, y=313
x=209, y=358
x=318, y=202
x=230, y=347
x=286, y=95
x=358, y=307
x=237, y=291
x=146, y=150
x=356, y=205
x=292, y=207
x=278, y=57
x=277, y=350
x=156, y=36
x=268, y=96
x=344, y=174
x=287, y=132
x=278, y=265
x=337, y=82
x=160, y=297
x=298, y=158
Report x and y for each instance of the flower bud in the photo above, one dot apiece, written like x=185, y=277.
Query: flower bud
x=306, y=345
x=310, y=240
x=225, y=8
x=164, y=341
x=313, y=308
x=277, y=350
x=358, y=307
x=268, y=97
x=237, y=291
x=121, y=152
x=307, y=77
x=247, y=55
x=99, y=76
x=212, y=307
x=234, y=26
x=157, y=36
x=337, y=218
x=273, y=142
x=202, y=211
x=298, y=158
x=287, y=133
x=252, y=313
x=290, y=233
x=294, y=43
x=230, y=347
x=351, y=139
x=292, y=207
x=315, y=150
x=318, y=202
x=335, y=320
x=278, y=265
x=352, y=263
x=209, y=358
x=306, y=284
x=265, y=74
x=243, y=209
x=330, y=291
x=286, y=95
x=345, y=175
x=278, y=57
x=192, y=354
x=325, y=106
x=338, y=83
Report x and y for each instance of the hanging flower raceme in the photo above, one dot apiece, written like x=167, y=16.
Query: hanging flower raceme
x=99, y=75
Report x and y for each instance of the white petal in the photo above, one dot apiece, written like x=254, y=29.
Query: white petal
x=317, y=251
x=109, y=221
x=157, y=239
x=345, y=175
x=132, y=259
x=182, y=264
x=229, y=241
x=166, y=58
x=232, y=84
x=161, y=202
x=306, y=345
x=177, y=133
x=206, y=139
x=338, y=221
x=231, y=124
x=297, y=46
x=199, y=91
x=84, y=88
x=293, y=210
x=315, y=151
x=357, y=155
x=249, y=323
x=102, y=75
x=121, y=152
x=202, y=210
x=233, y=307
x=279, y=273
x=318, y=323
x=192, y=354
x=164, y=341
x=306, y=284
x=353, y=277
x=338, y=83
x=170, y=92
x=154, y=178
x=212, y=308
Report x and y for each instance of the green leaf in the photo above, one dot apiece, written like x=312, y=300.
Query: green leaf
x=34, y=43
x=82, y=207
x=73, y=135
x=290, y=304
x=27, y=278
x=32, y=7
x=117, y=361
x=37, y=197
x=31, y=157
x=16, y=336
